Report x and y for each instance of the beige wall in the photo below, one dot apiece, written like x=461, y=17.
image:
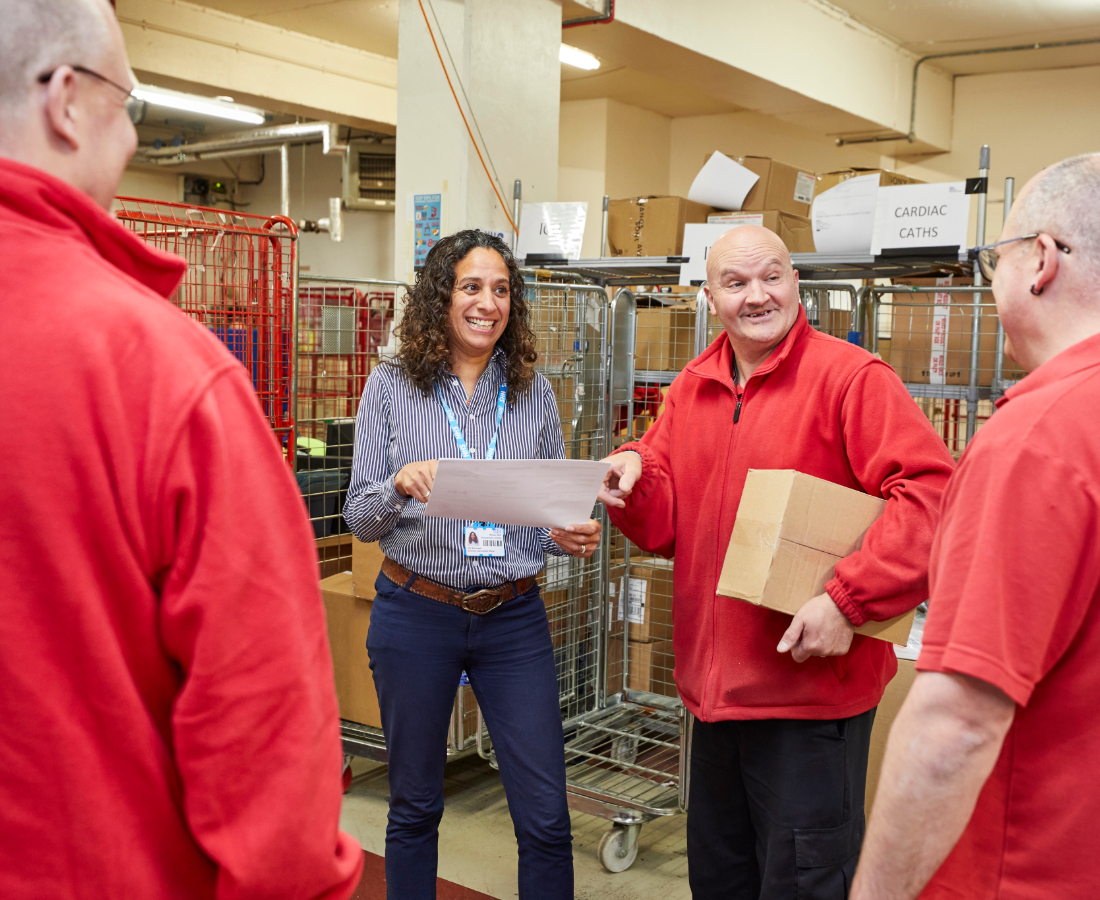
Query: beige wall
x=1029, y=120
x=607, y=147
x=755, y=134
x=582, y=163
x=638, y=151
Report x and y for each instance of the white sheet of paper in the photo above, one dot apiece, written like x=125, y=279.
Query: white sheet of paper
x=722, y=183
x=698, y=238
x=546, y=493
x=921, y=215
x=844, y=216
x=553, y=228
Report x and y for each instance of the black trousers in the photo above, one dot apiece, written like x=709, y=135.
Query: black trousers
x=775, y=810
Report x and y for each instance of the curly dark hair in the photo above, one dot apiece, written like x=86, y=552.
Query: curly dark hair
x=425, y=330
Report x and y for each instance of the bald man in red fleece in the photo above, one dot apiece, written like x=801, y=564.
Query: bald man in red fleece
x=783, y=707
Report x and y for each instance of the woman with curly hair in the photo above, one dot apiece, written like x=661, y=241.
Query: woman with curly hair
x=458, y=596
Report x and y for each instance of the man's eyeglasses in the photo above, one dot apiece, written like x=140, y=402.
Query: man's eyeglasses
x=987, y=256
x=135, y=108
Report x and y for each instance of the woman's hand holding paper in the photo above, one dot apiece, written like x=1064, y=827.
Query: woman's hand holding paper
x=415, y=480
x=578, y=540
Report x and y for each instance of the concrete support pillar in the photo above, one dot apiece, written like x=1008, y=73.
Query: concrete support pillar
x=506, y=54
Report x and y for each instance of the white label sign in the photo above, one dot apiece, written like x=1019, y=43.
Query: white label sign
x=804, y=188
x=635, y=613
x=552, y=228
x=921, y=215
x=697, y=242
x=941, y=320
x=844, y=216
x=735, y=218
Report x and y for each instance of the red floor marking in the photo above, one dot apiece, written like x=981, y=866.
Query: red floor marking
x=373, y=884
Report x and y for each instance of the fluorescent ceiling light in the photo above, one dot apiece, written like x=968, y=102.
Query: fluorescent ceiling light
x=574, y=56
x=203, y=106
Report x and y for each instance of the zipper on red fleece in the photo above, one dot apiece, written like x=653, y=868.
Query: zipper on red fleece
x=720, y=556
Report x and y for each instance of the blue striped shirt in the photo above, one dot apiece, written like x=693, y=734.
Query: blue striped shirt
x=398, y=425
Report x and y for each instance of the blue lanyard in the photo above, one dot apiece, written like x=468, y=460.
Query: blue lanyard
x=463, y=447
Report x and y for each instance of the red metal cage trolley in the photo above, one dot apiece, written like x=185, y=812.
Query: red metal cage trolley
x=241, y=283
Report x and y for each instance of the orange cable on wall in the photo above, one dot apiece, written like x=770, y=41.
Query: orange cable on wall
x=492, y=183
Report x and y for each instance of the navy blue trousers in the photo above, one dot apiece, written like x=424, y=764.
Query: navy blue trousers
x=418, y=649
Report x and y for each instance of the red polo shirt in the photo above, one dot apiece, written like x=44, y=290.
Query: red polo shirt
x=1015, y=587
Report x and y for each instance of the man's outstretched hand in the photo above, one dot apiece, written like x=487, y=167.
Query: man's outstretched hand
x=818, y=629
x=626, y=469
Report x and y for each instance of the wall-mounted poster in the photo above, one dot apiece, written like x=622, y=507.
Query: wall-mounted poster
x=426, y=219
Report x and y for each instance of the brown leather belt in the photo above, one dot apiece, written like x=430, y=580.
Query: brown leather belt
x=479, y=602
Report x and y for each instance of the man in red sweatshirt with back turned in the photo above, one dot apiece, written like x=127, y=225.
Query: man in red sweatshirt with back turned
x=783, y=708
x=166, y=691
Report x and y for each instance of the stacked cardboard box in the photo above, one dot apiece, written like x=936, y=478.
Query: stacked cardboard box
x=896, y=692
x=780, y=187
x=665, y=338
x=650, y=662
x=933, y=346
x=650, y=226
x=796, y=232
x=886, y=178
x=348, y=616
x=554, y=587
x=779, y=201
x=641, y=606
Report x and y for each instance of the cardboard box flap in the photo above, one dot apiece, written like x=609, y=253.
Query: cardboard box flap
x=823, y=515
x=747, y=564
x=755, y=535
x=798, y=574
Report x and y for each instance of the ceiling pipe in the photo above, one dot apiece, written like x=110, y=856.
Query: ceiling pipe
x=607, y=17
x=262, y=140
x=912, y=135
x=276, y=139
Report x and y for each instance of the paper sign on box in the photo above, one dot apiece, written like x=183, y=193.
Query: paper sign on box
x=844, y=216
x=697, y=243
x=791, y=531
x=921, y=215
x=555, y=229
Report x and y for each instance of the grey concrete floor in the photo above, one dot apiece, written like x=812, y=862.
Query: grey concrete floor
x=477, y=847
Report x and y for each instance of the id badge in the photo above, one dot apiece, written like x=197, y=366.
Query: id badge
x=481, y=539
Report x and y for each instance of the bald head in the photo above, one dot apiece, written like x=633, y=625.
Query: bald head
x=39, y=35
x=745, y=240
x=1064, y=202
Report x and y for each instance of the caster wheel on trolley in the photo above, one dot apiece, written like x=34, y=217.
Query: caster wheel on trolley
x=619, y=848
x=624, y=749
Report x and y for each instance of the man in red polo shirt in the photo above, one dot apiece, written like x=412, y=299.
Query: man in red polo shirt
x=989, y=786
x=166, y=690
x=784, y=708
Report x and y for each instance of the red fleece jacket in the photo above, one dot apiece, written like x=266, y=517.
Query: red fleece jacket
x=828, y=409
x=166, y=689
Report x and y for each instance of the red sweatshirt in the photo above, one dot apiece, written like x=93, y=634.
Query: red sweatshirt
x=828, y=409
x=166, y=691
